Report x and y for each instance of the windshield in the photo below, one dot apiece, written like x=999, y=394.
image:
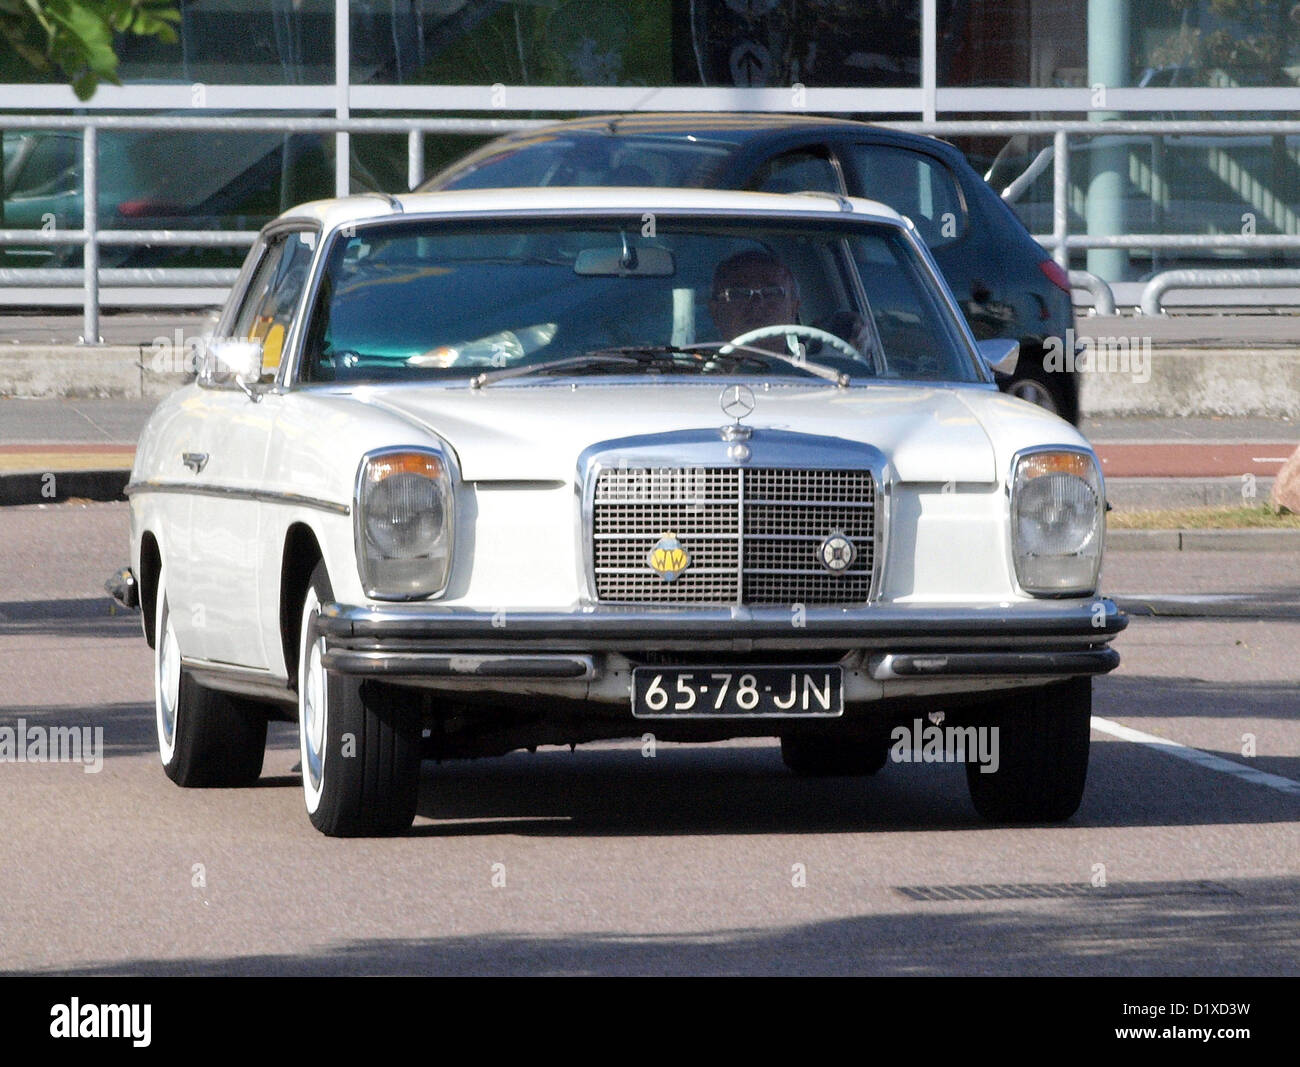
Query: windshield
x=419, y=299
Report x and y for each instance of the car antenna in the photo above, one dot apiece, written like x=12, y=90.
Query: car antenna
x=388, y=198
x=839, y=198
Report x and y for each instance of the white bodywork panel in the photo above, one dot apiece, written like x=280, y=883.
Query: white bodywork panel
x=948, y=447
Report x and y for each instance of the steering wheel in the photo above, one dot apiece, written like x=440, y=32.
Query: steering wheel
x=811, y=332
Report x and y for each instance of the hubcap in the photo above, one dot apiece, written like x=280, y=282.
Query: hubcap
x=313, y=707
x=313, y=725
x=167, y=685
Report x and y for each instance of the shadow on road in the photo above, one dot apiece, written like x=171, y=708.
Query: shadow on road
x=1135, y=697
x=72, y=617
x=1251, y=929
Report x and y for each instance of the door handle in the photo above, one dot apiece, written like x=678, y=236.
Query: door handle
x=196, y=461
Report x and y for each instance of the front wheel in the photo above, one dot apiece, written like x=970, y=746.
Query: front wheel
x=1041, y=743
x=360, y=751
x=205, y=738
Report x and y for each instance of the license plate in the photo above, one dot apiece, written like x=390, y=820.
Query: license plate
x=729, y=692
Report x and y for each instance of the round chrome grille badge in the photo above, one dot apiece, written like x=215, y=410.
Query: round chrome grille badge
x=837, y=553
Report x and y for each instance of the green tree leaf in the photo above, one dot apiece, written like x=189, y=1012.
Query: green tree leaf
x=76, y=36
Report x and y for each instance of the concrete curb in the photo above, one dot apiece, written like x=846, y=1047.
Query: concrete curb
x=1191, y=382
x=24, y=488
x=1203, y=540
x=1164, y=494
x=116, y=371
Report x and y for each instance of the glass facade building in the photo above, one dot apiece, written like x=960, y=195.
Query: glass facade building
x=900, y=60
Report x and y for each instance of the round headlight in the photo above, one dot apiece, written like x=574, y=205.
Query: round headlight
x=404, y=515
x=1056, y=514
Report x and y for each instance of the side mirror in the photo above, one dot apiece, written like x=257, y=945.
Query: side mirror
x=1000, y=354
x=228, y=361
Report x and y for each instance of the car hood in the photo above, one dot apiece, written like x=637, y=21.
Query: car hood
x=511, y=432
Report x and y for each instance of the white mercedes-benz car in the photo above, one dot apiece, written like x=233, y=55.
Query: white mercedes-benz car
x=476, y=471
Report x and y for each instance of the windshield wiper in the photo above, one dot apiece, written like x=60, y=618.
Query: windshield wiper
x=650, y=356
x=647, y=357
x=522, y=370
x=821, y=370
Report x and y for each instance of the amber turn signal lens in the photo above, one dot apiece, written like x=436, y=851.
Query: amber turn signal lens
x=1075, y=463
x=404, y=463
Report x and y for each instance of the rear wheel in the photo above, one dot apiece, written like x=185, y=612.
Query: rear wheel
x=824, y=757
x=1042, y=754
x=360, y=751
x=205, y=738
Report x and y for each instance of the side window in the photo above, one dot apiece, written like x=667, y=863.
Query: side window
x=913, y=184
x=272, y=295
x=795, y=172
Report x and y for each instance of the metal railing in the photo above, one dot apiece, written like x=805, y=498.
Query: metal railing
x=91, y=237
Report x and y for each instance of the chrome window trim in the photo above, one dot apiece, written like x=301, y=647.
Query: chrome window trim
x=260, y=496
x=239, y=291
x=290, y=377
x=1030, y=450
x=446, y=457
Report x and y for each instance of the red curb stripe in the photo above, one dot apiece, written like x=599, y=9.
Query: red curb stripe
x=1217, y=460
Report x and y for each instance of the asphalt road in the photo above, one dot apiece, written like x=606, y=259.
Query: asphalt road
x=614, y=863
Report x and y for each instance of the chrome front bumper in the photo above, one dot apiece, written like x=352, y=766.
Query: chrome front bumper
x=1041, y=639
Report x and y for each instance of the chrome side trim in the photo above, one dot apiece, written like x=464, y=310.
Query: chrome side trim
x=261, y=496
x=241, y=681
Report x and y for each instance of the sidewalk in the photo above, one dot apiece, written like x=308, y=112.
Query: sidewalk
x=53, y=450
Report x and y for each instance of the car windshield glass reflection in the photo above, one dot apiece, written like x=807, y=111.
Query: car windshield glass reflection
x=420, y=300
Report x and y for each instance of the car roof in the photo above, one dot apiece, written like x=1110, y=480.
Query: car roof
x=733, y=127
x=603, y=199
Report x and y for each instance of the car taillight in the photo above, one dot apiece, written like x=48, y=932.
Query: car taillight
x=144, y=209
x=1056, y=274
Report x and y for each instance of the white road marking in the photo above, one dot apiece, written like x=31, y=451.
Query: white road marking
x=1195, y=755
x=1268, y=459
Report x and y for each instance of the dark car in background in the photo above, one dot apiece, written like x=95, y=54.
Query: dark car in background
x=1004, y=281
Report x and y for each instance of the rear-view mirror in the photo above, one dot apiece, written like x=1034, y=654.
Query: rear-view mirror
x=627, y=262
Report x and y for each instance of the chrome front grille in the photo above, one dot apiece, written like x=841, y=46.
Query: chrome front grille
x=753, y=536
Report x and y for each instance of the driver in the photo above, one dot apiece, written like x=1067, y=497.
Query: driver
x=751, y=290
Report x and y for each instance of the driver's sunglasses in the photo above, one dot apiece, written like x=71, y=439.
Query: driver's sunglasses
x=742, y=294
